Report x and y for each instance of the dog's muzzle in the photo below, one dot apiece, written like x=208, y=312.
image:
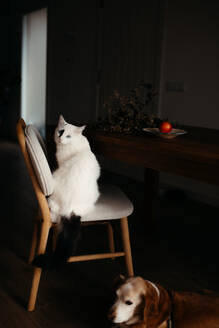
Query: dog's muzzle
x=111, y=315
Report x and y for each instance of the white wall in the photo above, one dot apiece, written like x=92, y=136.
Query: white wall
x=34, y=58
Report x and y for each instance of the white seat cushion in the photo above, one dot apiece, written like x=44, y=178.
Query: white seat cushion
x=37, y=152
x=39, y=137
x=112, y=204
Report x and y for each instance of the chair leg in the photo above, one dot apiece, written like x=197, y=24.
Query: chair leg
x=126, y=245
x=33, y=243
x=111, y=239
x=55, y=233
x=37, y=271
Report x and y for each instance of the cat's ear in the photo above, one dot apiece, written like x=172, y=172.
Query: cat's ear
x=80, y=129
x=61, y=120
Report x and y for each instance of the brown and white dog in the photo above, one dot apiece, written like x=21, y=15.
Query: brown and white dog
x=142, y=304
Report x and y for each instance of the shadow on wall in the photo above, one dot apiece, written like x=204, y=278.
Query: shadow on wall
x=9, y=103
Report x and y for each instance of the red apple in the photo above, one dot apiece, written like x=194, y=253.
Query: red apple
x=165, y=127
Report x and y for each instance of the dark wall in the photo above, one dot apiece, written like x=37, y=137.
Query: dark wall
x=72, y=60
x=71, y=75
x=76, y=40
x=9, y=70
x=11, y=13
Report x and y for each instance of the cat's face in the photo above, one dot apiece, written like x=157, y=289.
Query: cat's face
x=66, y=133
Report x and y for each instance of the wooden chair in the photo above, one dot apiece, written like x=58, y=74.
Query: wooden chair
x=112, y=201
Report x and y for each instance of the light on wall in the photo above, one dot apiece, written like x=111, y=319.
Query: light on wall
x=34, y=55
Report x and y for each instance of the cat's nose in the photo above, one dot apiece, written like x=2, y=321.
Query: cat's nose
x=60, y=132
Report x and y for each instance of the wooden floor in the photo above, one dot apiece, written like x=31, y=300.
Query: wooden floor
x=180, y=252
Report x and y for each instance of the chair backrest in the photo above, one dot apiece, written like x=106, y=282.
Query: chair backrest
x=34, y=155
x=37, y=152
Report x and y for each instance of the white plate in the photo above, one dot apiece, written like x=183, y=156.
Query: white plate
x=172, y=134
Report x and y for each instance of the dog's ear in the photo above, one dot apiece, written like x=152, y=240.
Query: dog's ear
x=152, y=299
x=157, y=306
x=140, y=310
x=118, y=281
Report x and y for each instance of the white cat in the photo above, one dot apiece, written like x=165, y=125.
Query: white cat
x=75, y=187
x=75, y=191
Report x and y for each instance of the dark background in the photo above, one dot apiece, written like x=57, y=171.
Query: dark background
x=106, y=45
x=94, y=47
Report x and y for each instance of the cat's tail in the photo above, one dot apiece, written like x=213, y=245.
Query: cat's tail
x=66, y=245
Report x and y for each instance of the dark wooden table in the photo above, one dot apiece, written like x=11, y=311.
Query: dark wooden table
x=194, y=155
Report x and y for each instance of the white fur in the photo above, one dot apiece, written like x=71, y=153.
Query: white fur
x=124, y=311
x=76, y=188
x=130, y=291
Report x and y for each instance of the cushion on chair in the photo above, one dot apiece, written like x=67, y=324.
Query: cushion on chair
x=112, y=204
x=37, y=152
x=40, y=139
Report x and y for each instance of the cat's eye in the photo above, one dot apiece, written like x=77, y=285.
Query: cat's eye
x=128, y=302
x=60, y=133
x=68, y=136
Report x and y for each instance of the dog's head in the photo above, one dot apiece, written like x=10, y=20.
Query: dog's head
x=138, y=300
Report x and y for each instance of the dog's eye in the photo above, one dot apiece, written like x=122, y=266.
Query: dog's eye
x=68, y=136
x=128, y=302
